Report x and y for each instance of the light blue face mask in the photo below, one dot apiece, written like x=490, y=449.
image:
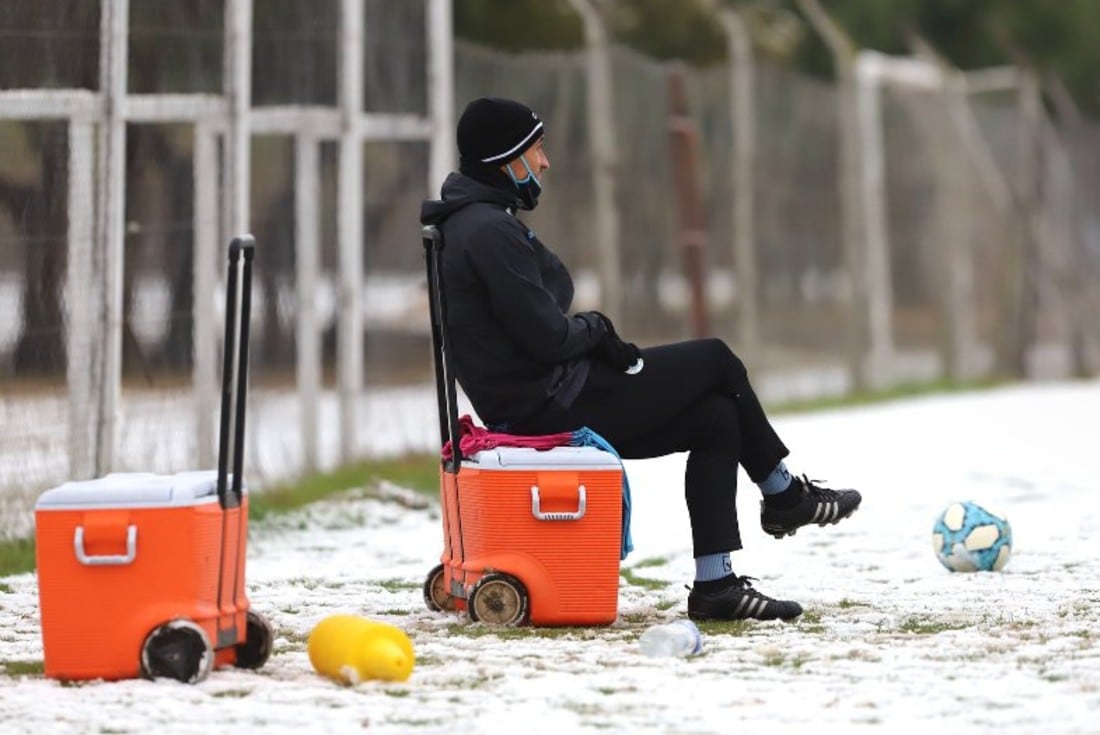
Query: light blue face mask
x=529, y=187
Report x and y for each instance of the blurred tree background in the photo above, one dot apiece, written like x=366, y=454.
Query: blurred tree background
x=1060, y=39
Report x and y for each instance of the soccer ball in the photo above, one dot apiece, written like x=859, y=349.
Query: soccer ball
x=969, y=538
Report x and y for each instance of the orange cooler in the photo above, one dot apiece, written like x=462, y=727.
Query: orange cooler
x=532, y=536
x=124, y=554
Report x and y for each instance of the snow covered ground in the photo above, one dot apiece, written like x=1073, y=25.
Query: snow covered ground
x=890, y=640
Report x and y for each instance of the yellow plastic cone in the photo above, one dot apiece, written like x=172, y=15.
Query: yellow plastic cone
x=351, y=649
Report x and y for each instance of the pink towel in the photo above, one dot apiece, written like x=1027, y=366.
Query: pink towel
x=472, y=439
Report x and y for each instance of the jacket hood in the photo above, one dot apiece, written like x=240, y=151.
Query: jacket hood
x=459, y=190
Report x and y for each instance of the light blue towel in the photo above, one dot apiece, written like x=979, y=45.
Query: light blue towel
x=585, y=437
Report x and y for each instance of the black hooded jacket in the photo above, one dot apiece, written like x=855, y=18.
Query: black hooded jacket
x=513, y=345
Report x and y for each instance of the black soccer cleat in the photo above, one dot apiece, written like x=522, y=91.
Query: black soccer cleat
x=739, y=601
x=816, y=504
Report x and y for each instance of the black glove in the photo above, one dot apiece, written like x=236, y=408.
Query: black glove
x=616, y=353
x=607, y=325
x=611, y=349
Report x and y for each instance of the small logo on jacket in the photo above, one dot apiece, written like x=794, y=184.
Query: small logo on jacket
x=530, y=234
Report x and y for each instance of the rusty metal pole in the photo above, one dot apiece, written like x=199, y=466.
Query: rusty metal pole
x=692, y=230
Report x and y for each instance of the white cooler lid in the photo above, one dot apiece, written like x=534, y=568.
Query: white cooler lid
x=558, y=458
x=134, y=489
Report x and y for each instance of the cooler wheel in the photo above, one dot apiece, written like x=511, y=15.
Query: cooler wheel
x=436, y=596
x=498, y=599
x=178, y=650
x=256, y=649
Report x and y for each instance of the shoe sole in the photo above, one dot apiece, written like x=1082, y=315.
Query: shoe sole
x=779, y=533
x=706, y=618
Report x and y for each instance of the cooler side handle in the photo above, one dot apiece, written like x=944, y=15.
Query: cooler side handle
x=536, y=510
x=106, y=559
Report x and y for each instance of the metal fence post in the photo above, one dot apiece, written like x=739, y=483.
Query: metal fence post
x=238, y=93
x=441, y=97
x=82, y=295
x=743, y=135
x=307, y=230
x=110, y=226
x=237, y=83
x=843, y=51
x=601, y=131
x=876, y=243
x=205, y=376
x=349, y=226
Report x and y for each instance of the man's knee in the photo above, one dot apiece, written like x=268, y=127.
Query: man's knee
x=721, y=353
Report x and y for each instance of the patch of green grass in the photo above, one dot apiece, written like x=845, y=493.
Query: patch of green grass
x=16, y=557
x=292, y=636
x=6, y=588
x=612, y=691
x=813, y=617
x=396, y=692
x=775, y=657
x=635, y=618
x=643, y=582
x=920, y=626
x=653, y=561
x=399, y=585
x=483, y=680
x=906, y=390
x=472, y=630
x=23, y=668
x=1011, y=623
x=723, y=627
x=810, y=621
x=232, y=694
x=846, y=604
x=417, y=723
x=428, y=660
x=419, y=472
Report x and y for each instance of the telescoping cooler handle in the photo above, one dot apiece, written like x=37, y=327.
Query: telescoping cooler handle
x=238, y=311
x=104, y=560
x=536, y=504
x=445, y=390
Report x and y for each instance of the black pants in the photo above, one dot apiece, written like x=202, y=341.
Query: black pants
x=691, y=397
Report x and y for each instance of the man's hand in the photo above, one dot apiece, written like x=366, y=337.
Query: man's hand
x=607, y=325
x=612, y=349
x=616, y=353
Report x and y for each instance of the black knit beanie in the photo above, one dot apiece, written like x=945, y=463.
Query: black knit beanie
x=495, y=131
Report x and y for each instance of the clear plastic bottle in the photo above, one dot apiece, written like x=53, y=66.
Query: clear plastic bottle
x=679, y=638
